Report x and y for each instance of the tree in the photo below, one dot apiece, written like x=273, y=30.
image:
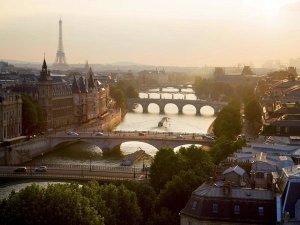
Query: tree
x=131, y=92
x=228, y=122
x=196, y=159
x=122, y=204
x=165, y=164
x=176, y=192
x=146, y=197
x=223, y=147
x=163, y=217
x=57, y=204
x=119, y=96
x=253, y=111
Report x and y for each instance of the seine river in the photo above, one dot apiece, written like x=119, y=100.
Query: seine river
x=81, y=153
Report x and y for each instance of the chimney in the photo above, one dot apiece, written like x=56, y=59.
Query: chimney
x=226, y=188
x=269, y=180
x=252, y=179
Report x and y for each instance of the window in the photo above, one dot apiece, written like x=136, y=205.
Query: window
x=194, y=204
x=260, y=211
x=237, y=210
x=215, y=208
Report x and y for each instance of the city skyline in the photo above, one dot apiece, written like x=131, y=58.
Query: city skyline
x=171, y=33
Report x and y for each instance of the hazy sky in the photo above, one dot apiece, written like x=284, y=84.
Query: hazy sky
x=157, y=32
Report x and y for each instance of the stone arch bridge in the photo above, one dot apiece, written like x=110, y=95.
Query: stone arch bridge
x=26, y=151
x=106, y=143
x=180, y=103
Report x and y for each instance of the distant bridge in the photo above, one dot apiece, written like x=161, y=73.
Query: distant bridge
x=162, y=86
x=180, y=103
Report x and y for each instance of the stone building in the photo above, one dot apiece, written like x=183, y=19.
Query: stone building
x=227, y=203
x=90, y=98
x=10, y=114
x=66, y=103
x=56, y=99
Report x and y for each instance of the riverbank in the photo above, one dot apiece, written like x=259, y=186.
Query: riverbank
x=210, y=129
x=111, y=121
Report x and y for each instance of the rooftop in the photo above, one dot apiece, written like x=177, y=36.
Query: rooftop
x=215, y=190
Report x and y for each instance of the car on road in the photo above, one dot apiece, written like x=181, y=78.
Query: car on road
x=142, y=134
x=99, y=134
x=179, y=136
x=41, y=169
x=210, y=137
x=22, y=169
x=72, y=133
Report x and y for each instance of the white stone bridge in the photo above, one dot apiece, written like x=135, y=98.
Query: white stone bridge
x=26, y=151
x=180, y=103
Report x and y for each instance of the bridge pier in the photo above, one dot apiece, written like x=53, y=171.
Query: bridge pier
x=145, y=108
x=161, y=110
x=180, y=110
x=198, y=113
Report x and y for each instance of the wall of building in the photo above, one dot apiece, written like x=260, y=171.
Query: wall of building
x=186, y=220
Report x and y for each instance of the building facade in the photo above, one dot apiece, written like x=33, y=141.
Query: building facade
x=66, y=102
x=56, y=99
x=10, y=114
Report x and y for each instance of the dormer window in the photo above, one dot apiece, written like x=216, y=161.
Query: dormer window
x=215, y=208
x=194, y=206
x=237, y=210
x=260, y=211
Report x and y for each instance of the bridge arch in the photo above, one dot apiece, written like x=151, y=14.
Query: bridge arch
x=78, y=149
x=129, y=147
x=170, y=106
x=190, y=109
x=207, y=110
x=153, y=108
x=176, y=149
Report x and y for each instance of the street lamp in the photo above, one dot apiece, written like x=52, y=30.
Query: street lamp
x=90, y=163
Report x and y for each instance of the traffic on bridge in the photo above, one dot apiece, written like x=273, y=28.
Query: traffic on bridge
x=74, y=172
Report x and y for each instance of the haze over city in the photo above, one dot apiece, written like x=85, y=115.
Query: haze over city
x=170, y=32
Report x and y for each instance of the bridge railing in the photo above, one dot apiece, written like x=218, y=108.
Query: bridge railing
x=91, y=166
x=65, y=176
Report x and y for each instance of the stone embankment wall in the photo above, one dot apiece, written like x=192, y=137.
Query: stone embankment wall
x=25, y=151
x=111, y=121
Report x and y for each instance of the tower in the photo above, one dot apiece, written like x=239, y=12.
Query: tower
x=45, y=89
x=60, y=60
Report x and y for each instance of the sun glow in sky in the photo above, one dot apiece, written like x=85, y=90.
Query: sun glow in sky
x=157, y=32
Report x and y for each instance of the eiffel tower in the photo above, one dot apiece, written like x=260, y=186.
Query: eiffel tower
x=60, y=60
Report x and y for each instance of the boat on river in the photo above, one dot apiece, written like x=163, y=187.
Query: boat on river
x=163, y=122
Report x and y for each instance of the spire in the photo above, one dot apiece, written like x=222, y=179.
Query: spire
x=91, y=83
x=86, y=67
x=82, y=85
x=45, y=73
x=44, y=67
x=75, y=87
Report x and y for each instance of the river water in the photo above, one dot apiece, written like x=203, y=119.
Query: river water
x=81, y=153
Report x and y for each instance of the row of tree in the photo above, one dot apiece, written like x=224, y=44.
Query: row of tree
x=122, y=90
x=227, y=126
